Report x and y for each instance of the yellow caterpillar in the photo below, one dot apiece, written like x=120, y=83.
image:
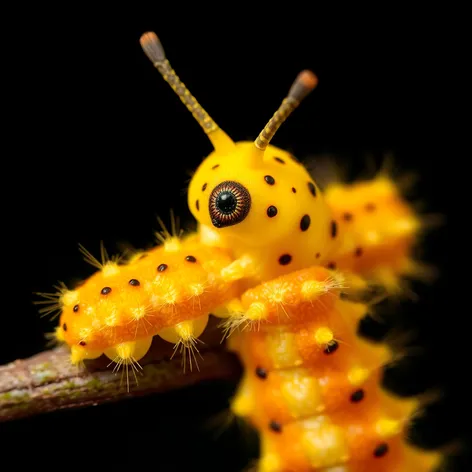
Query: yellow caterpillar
x=290, y=270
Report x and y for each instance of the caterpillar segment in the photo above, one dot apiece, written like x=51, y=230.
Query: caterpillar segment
x=312, y=389
x=168, y=291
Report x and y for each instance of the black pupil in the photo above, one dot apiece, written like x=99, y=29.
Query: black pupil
x=226, y=202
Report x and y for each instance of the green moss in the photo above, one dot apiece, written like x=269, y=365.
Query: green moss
x=95, y=384
x=15, y=396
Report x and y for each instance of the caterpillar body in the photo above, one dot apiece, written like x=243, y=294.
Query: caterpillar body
x=291, y=270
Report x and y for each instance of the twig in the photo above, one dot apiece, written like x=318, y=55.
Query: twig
x=48, y=382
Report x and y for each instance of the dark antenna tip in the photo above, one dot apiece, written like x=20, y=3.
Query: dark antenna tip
x=305, y=82
x=152, y=47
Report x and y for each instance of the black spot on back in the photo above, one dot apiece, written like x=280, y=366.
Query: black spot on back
x=272, y=211
x=381, y=450
x=357, y=396
x=278, y=159
x=312, y=188
x=261, y=373
x=331, y=347
x=269, y=179
x=305, y=222
x=275, y=426
x=285, y=259
x=334, y=229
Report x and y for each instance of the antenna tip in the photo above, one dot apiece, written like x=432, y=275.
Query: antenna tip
x=305, y=82
x=152, y=47
x=308, y=79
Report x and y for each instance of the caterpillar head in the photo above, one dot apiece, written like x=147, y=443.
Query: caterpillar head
x=251, y=191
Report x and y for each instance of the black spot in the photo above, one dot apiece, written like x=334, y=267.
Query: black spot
x=312, y=188
x=357, y=396
x=334, y=229
x=105, y=290
x=347, y=216
x=215, y=167
x=76, y=308
x=370, y=207
x=64, y=327
x=162, y=267
x=331, y=266
x=359, y=252
x=271, y=211
x=294, y=190
x=331, y=347
x=275, y=426
x=134, y=282
x=204, y=187
x=261, y=373
x=318, y=255
x=381, y=450
x=279, y=160
x=83, y=343
x=305, y=222
x=190, y=259
x=269, y=179
x=285, y=259
x=197, y=205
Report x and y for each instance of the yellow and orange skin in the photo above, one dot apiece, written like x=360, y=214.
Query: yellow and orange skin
x=151, y=294
x=302, y=331
x=302, y=356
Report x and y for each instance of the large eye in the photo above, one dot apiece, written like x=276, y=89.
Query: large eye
x=229, y=204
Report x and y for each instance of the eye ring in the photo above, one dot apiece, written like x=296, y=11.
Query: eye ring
x=229, y=204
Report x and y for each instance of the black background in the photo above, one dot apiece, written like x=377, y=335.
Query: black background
x=103, y=145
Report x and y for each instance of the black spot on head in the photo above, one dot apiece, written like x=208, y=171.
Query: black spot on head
x=370, y=207
x=331, y=266
x=318, y=255
x=215, y=167
x=278, y=159
x=197, y=205
x=83, y=343
x=261, y=373
x=381, y=450
x=76, y=308
x=294, y=190
x=347, y=216
x=190, y=259
x=285, y=259
x=357, y=396
x=359, y=252
x=204, y=187
x=305, y=222
x=269, y=179
x=134, y=282
x=312, y=188
x=272, y=211
x=143, y=256
x=275, y=426
x=334, y=229
x=331, y=347
x=162, y=267
x=105, y=290
x=64, y=327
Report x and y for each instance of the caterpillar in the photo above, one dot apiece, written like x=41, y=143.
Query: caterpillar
x=290, y=269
